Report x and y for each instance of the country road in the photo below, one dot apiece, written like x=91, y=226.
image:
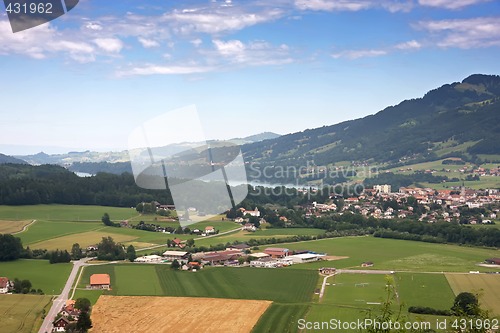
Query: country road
x=58, y=303
x=24, y=228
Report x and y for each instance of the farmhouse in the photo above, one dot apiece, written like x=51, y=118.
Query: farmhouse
x=100, y=281
x=222, y=257
x=367, y=264
x=172, y=255
x=493, y=261
x=240, y=247
x=249, y=227
x=60, y=325
x=264, y=262
x=151, y=259
x=327, y=270
x=209, y=230
x=254, y=212
x=4, y=285
x=276, y=252
x=177, y=242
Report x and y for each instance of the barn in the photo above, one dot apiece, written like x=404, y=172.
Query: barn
x=100, y=281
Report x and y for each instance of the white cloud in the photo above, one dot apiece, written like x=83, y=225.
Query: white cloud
x=111, y=45
x=252, y=53
x=214, y=21
x=151, y=69
x=450, y=4
x=148, y=43
x=196, y=42
x=331, y=5
x=410, y=45
x=356, y=54
x=464, y=33
x=93, y=26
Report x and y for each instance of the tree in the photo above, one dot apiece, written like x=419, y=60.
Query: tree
x=139, y=207
x=76, y=251
x=10, y=247
x=175, y=264
x=84, y=322
x=190, y=242
x=82, y=304
x=22, y=287
x=131, y=255
x=107, y=221
x=465, y=303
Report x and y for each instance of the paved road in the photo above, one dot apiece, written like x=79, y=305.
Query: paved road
x=58, y=303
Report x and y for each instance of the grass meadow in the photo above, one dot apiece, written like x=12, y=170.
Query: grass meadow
x=43, y=275
x=432, y=290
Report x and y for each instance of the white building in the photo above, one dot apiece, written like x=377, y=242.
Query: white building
x=304, y=257
x=150, y=259
x=385, y=189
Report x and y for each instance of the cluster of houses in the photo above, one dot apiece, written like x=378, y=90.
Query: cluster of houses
x=68, y=314
x=370, y=203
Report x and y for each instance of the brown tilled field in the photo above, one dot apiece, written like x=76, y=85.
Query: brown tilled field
x=10, y=227
x=143, y=314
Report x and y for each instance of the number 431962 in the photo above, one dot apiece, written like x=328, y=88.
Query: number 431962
x=32, y=8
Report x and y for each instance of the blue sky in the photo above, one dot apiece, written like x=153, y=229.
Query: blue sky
x=85, y=80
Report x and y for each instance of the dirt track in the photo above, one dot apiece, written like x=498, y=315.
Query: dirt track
x=143, y=314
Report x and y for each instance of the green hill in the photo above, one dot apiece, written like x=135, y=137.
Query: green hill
x=461, y=119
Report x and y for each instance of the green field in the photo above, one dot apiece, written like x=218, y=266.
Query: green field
x=65, y=212
x=281, y=285
x=393, y=254
x=430, y=290
x=22, y=313
x=43, y=230
x=281, y=318
x=49, y=278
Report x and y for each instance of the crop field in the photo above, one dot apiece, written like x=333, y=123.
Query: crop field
x=84, y=239
x=46, y=230
x=10, y=227
x=486, y=285
x=22, y=313
x=181, y=314
x=393, y=254
x=65, y=213
x=281, y=317
x=219, y=282
x=431, y=290
x=43, y=275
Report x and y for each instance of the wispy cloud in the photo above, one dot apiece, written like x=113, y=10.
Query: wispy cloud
x=357, y=54
x=155, y=69
x=464, y=33
x=148, y=43
x=450, y=4
x=354, y=5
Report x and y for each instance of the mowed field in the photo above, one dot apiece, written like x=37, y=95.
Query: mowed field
x=281, y=285
x=394, y=254
x=84, y=239
x=486, y=285
x=117, y=314
x=11, y=227
x=432, y=290
x=22, y=313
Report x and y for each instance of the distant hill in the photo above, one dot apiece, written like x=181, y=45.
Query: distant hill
x=4, y=159
x=465, y=115
x=261, y=137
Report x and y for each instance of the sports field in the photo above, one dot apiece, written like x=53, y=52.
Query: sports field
x=22, y=313
x=180, y=314
x=10, y=227
x=432, y=290
x=49, y=278
x=486, y=285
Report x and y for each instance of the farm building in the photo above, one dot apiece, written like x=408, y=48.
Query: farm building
x=172, y=255
x=4, y=285
x=277, y=252
x=259, y=255
x=151, y=259
x=221, y=257
x=367, y=264
x=100, y=281
x=60, y=325
x=209, y=230
x=264, y=262
x=327, y=270
x=493, y=261
x=304, y=257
